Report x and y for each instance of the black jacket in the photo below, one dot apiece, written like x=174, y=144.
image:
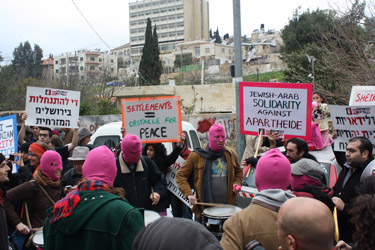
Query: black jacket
x=138, y=182
x=347, y=193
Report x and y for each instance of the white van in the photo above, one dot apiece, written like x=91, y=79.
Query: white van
x=110, y=135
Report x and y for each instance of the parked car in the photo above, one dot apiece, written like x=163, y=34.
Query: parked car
x=110, y=135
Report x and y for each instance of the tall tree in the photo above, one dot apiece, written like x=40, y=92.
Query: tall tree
x=26, y=61
x=217, y=36
x=150, y=66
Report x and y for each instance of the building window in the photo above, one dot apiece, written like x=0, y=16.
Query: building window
x=223, y=50
x=100, y=68
x=81, y=59
x=57, y=71
x=56, y=62
x=92, y=58
x=81, y=68
x=207, y=50
x=197, y=52
x=100, y=59
x=92, y=67
x=112, y=61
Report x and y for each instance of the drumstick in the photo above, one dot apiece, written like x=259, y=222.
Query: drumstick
x=210, y=204
x=336, y=224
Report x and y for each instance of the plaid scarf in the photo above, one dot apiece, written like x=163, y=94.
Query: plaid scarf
x=65, y=207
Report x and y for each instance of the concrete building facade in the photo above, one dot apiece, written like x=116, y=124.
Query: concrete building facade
x=176, y=21
x=85, y=66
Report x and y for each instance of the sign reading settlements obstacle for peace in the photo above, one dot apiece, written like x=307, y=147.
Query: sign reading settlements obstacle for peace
x=350, y=122
x=8, y=135
x=153, y=120
x=281, y=107
x=47, y=107
x=362, y=96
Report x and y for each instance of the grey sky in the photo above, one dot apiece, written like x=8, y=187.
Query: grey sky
x=57, y=26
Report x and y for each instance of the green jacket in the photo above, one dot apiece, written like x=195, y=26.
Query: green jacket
x=100, y=220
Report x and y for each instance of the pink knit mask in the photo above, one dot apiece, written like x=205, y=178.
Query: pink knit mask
x=51, y=161
x=216, y=138
x=131, y=147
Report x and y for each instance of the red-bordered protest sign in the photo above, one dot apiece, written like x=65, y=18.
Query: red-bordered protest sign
x=153, y=119
x=362, y=96
x=282, y=107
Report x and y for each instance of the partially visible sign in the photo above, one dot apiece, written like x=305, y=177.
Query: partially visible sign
x=281, y=107
x=362, y=96
x=171, y=180
x=8, y=136
x=48, y=107
x=350, y=122
x=153, y=120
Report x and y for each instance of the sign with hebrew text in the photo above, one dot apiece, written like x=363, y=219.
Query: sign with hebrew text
x=53, y=108
x=352, y=121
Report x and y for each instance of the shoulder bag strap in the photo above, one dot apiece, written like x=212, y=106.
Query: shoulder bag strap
x=45, y=192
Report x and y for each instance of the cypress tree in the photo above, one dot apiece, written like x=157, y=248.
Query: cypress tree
x=150, y=65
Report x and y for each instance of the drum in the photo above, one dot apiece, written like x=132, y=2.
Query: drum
x=150, y=216
x=214, y=217
x=38, y=240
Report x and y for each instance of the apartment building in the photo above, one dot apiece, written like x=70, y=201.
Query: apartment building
x=177, y=21
x=85, y=66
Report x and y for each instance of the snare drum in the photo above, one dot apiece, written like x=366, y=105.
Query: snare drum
x=150, y=216
x=214, y=217
x=38, y=240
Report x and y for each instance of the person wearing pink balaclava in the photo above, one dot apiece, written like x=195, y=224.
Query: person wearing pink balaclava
x=216, y=171
x=46, y=179
x=258, y=220
x=93, y=216
x=139, y=175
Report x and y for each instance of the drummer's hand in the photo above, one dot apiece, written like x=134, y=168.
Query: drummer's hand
x=236, y=188
x=155, y=197
x=22, y=228
x=343, y=246
x=192, y=200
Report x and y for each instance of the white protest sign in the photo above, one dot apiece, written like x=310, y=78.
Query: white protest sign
x=350, y=122
x=362, y=96
x=8, y=137
x=153, y=120
x=48, y=107
x=282, y=107
x=171, y=180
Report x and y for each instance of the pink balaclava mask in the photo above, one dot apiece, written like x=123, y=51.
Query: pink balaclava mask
x=273, y=171
x=100, y=165
x=50, y=161
x=131, y=147
x=216, y=134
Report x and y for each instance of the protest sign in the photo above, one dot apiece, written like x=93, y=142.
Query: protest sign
x=48, y=107
x=350, y=122
x=153, y=120
x=8, y=135
x=281, y=107
x=362, y=96
x=171, y=180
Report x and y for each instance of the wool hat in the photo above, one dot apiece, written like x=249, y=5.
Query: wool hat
x=55, y=132
x=100, y=165
x=216, y=130
x=131, y=147
x=308, y=167
x=273, y=171
x=82, y=134
x=79, y=153
x=50, y=161
x=35, y=148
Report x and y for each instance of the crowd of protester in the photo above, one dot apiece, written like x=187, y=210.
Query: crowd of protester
x=83, y=197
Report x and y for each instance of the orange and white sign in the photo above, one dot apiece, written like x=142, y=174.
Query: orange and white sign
x=153, y=120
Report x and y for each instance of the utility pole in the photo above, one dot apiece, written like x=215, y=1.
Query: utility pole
x=238, y=72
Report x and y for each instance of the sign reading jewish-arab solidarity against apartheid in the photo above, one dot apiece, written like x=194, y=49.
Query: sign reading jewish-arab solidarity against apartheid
x=8, y=135
x=350, y=122
x=153, y=120
x=48, y=107
x=362, y=96
x=171, y=180
x=281, y=107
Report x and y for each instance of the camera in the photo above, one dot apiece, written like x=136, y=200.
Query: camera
x=11, y=158
x=253, y=245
